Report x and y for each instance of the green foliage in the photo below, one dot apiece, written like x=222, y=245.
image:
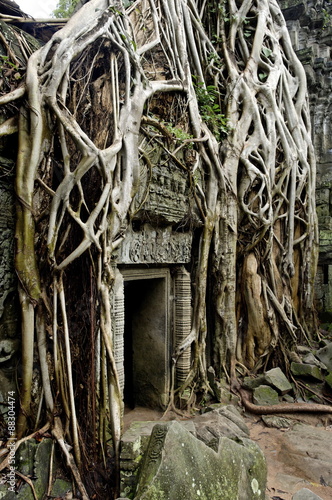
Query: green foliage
x=8, y=68
x=64, y=8
x=207, y=97
x=326, y=18
x=179, y=134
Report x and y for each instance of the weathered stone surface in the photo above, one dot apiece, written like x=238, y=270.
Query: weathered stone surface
x=328, y=379
x=32, y=459
x=309, y=450
x=305, y=494
x=152, y=245
x=223, y=422
x=178, y=467
x=134, y=443
x=325, y=356
x=310, y=359
x=221, y=389
x=252, y=382
x=135, y=440
x=60, y=488
x=304, y=370
x=278, y=380
x=265, y=395
x=288, y=398
x=277, y=422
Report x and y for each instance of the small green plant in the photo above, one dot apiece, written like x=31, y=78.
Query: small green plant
x=326, y=18
x=7, y=65
x=179, y=134
x=207, y=97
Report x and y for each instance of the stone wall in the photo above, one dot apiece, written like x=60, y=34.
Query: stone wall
x=9, y=341
x=310, y=26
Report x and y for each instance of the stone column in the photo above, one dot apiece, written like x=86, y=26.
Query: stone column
x=118, y=317
x=182, y=321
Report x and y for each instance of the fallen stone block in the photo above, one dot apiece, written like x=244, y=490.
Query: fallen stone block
x=253, y=382
x=178, y=466
x=325, y=356
x=223, y=422
x=277, y=422
x=304, y=370
x=264, y=395
x=310, y=359
x=278, y=380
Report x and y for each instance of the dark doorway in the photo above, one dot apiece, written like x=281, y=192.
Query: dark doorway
x=146, y=345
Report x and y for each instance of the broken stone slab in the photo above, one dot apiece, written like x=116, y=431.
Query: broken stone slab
x=252, y=383
x=277, y=422
x=304, y=370
x=135, y=440
x=310, y=359
x=223, y=422
x=278, y=380
x=264, y=395
x=288, y=398
x=178, y=466
x=325, y=356
x=305, y=494
x=133, y=445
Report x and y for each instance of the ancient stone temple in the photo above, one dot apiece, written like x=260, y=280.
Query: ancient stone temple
x=309, y=24
x=151, y=304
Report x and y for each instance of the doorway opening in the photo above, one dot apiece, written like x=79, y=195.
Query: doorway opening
x=146, y=339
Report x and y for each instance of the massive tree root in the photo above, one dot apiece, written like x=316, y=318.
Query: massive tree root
x=239, y=94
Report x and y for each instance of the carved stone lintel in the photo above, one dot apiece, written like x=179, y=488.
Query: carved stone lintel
x=150, y=245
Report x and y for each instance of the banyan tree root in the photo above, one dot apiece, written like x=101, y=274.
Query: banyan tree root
x=279, y=408
x=223, y=63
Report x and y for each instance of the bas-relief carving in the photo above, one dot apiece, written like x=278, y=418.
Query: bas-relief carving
x=165, y=195
x=155, y=246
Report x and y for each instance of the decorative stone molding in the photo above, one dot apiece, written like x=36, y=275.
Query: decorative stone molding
x=152, y=245
x=118, y=318
x=182, y=321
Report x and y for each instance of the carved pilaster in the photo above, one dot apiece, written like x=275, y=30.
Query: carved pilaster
x=182, y=321
x=118, y=315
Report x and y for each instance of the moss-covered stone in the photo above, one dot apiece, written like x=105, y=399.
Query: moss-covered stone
x=178, y=466
x=328, y=379
x=60, y=488
x=264, y=395
x=305, y=370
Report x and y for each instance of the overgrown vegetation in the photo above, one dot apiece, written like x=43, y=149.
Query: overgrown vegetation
x=83, y=134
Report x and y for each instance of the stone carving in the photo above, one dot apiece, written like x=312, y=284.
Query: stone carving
x=155, y=245
x=118, y=316
x=165, y=195
x=182, y=321
x=187, y=468
x=156, y=443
